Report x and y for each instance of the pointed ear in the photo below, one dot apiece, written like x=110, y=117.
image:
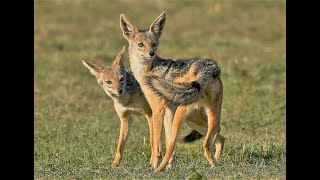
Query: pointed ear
x=94, y=69
x=119, y=60
x=158, y=25
x=128, y=29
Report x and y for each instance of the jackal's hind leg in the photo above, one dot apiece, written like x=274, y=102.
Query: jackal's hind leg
x=219, y=146
x=211, y=136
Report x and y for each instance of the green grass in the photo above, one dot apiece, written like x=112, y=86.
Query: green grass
x=76, y=128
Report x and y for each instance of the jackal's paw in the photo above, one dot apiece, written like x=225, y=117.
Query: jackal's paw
x=154, y=163
x=213, y=164
x=153, y=166
x=150, y=161
x=157, y=170
x=115, y=163
x=169, y=166
x=216, y=157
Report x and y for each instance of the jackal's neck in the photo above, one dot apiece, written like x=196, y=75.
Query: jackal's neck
x=123, y=100
x=139, y=66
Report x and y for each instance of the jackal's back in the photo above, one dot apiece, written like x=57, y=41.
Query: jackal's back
x=176, y=68
x=132, y=84
x=192, y=75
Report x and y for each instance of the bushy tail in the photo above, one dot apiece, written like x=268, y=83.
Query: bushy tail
x=193, y=136
x=180, y=93
x=176, y=93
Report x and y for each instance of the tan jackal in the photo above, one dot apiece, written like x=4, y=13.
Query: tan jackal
x=174, y=89
x=120, y=84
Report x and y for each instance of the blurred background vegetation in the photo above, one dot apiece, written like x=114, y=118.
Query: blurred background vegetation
x=76, y=127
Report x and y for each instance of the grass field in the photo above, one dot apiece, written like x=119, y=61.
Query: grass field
x=76, y=128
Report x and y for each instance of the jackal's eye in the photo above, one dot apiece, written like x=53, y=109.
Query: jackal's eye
x=140, y=44
x=108, y=82
x=154, y=44
x=122, y=79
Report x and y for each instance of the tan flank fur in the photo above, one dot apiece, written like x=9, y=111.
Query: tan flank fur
x=120, y=84
x=174, y=89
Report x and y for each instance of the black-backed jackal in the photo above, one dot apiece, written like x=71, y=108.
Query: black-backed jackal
x=174, y=89
x=119, y=83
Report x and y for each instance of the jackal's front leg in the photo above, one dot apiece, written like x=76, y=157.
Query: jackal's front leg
x=157, y=120
x=150, y=124
x=168, y=119
x=126, y=122
x=179, y=116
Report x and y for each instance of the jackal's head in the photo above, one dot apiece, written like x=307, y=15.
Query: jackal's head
x=143, y=43
x=112, y=78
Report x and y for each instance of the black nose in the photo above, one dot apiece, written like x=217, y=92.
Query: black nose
x=151, y=53
x=119, y=91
